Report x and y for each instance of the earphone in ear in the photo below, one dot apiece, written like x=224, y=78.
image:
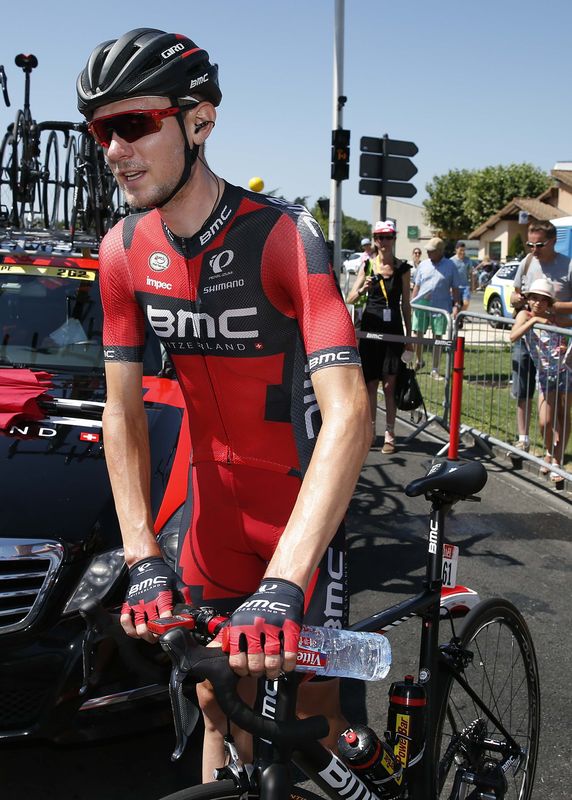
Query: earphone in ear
x=203, y=125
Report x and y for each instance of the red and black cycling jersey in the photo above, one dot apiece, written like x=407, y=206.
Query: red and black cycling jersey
x=247, y=309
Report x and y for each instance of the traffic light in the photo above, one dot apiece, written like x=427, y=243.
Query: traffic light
x=340, y=154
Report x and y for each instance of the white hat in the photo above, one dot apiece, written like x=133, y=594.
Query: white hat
x=365, y=241
x=542, y=286
x=385, y=226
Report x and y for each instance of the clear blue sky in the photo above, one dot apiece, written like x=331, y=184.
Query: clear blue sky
x=472, y=84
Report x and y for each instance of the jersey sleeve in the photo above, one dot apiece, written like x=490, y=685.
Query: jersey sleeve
x=123, y=320
x=298, y=280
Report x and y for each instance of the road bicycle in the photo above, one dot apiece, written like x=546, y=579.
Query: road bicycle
x=476, y=737
x=33, y=193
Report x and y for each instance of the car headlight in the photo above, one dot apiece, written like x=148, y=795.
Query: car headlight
x=105, y=569
x=100, y=576
x=168, y=538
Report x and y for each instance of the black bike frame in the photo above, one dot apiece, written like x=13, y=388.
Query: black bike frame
x=278, y=698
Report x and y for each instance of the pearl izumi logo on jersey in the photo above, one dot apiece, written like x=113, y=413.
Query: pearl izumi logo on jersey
x=221, y=261
x=159, y=261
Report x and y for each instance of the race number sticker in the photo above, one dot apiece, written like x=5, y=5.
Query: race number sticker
x=75, y=273
x=450, y=563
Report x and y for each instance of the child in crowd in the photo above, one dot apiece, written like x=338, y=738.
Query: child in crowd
x=550, y=352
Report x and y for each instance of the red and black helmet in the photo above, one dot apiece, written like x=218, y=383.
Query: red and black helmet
x=146, y=62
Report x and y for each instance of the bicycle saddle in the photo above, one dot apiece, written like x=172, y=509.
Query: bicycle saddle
x=27, y=62
x=460, y=479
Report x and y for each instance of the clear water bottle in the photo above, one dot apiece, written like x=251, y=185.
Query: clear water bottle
x=344, y=654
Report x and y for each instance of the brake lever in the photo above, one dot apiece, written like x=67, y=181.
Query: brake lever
x=97, y=621
x=185, y=713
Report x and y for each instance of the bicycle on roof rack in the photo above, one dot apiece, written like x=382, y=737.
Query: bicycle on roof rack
x=470, y=732
x=34, y=193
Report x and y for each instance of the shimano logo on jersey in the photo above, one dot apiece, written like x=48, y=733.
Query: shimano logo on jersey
x=216, y=226
x=187, y=324
x=221, y=261
x=217, y=287
x=331, y=357
x=159, y=261
x=197, y=81
x=176, y=48
x=158, y=284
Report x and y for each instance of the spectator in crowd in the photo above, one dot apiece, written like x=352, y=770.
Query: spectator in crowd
x=367, y=248
x=388, y=311
x=548, y=351
x=463, y=265
x=436, y=285
x=415, y=261
x=485, y=271
x=542, y=262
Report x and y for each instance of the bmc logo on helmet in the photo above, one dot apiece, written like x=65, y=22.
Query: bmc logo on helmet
x=176, y=48
x=197, y=81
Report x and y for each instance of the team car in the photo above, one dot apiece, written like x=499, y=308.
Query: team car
x=496, y=298
x=67, y=671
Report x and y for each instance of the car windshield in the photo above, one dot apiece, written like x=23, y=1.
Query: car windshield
x=507, y=272
x=51, y=317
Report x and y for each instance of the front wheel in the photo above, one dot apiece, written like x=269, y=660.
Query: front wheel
x=227, y=790
x=502, y=671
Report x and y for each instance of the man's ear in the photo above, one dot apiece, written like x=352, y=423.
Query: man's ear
x=201, y=123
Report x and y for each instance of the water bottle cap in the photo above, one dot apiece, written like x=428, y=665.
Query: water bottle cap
x=351, y=737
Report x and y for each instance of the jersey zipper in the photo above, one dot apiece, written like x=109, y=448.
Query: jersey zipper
x=193, y=288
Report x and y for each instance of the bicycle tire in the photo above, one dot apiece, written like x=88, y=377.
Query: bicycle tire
x=51, y=182
x=504, y=674
x=69, y=180
x=5, y=185
x=14, y=168
x=227, y=790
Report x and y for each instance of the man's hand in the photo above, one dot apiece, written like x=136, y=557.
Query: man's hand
x=262, y=634
x=152, y=585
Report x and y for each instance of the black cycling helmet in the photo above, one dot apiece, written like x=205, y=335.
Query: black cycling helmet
x=149, y=62
x=146, y=62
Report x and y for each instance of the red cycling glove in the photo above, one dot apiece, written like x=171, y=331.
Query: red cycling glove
x=152, y=585
x=269, y=621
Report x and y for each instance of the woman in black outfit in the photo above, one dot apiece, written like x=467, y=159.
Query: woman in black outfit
x=385, y=280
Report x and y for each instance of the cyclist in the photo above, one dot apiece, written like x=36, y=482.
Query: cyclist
x=239, y=290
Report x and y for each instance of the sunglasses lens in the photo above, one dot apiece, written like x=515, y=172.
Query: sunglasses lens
x=129, y=127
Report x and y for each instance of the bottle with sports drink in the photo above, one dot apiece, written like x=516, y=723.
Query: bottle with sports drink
x=406, y=720
x=341, y=653
x=372, y=760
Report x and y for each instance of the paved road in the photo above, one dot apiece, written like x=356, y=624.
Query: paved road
x=517, y=542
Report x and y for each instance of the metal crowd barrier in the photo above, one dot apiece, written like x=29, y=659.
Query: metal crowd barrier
x=489, y=409
x=433, y=371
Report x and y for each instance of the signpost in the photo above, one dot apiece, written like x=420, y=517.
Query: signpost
x=386, y=168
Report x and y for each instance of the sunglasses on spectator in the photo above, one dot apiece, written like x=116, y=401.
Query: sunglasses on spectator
x=129, y=125
x=534, y=245
x=538, y=297
x=384, y=236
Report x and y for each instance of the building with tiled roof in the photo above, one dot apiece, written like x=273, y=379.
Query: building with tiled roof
x=498, y=231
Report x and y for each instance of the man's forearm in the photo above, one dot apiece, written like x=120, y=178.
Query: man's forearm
x=127, y=456
x=326, y=490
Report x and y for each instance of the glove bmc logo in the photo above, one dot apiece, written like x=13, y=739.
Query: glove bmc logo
x=264, y=605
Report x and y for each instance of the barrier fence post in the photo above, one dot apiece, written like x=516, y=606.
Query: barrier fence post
x=456, y=396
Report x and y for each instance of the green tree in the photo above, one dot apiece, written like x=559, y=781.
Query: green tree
x=491, y=188
x=445, y=205
x=461, y=200
x=516, y=247
x=353, y=230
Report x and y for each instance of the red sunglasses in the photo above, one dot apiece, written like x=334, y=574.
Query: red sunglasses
x=129, y=125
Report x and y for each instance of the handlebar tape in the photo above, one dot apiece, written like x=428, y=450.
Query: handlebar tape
x=209, y=663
